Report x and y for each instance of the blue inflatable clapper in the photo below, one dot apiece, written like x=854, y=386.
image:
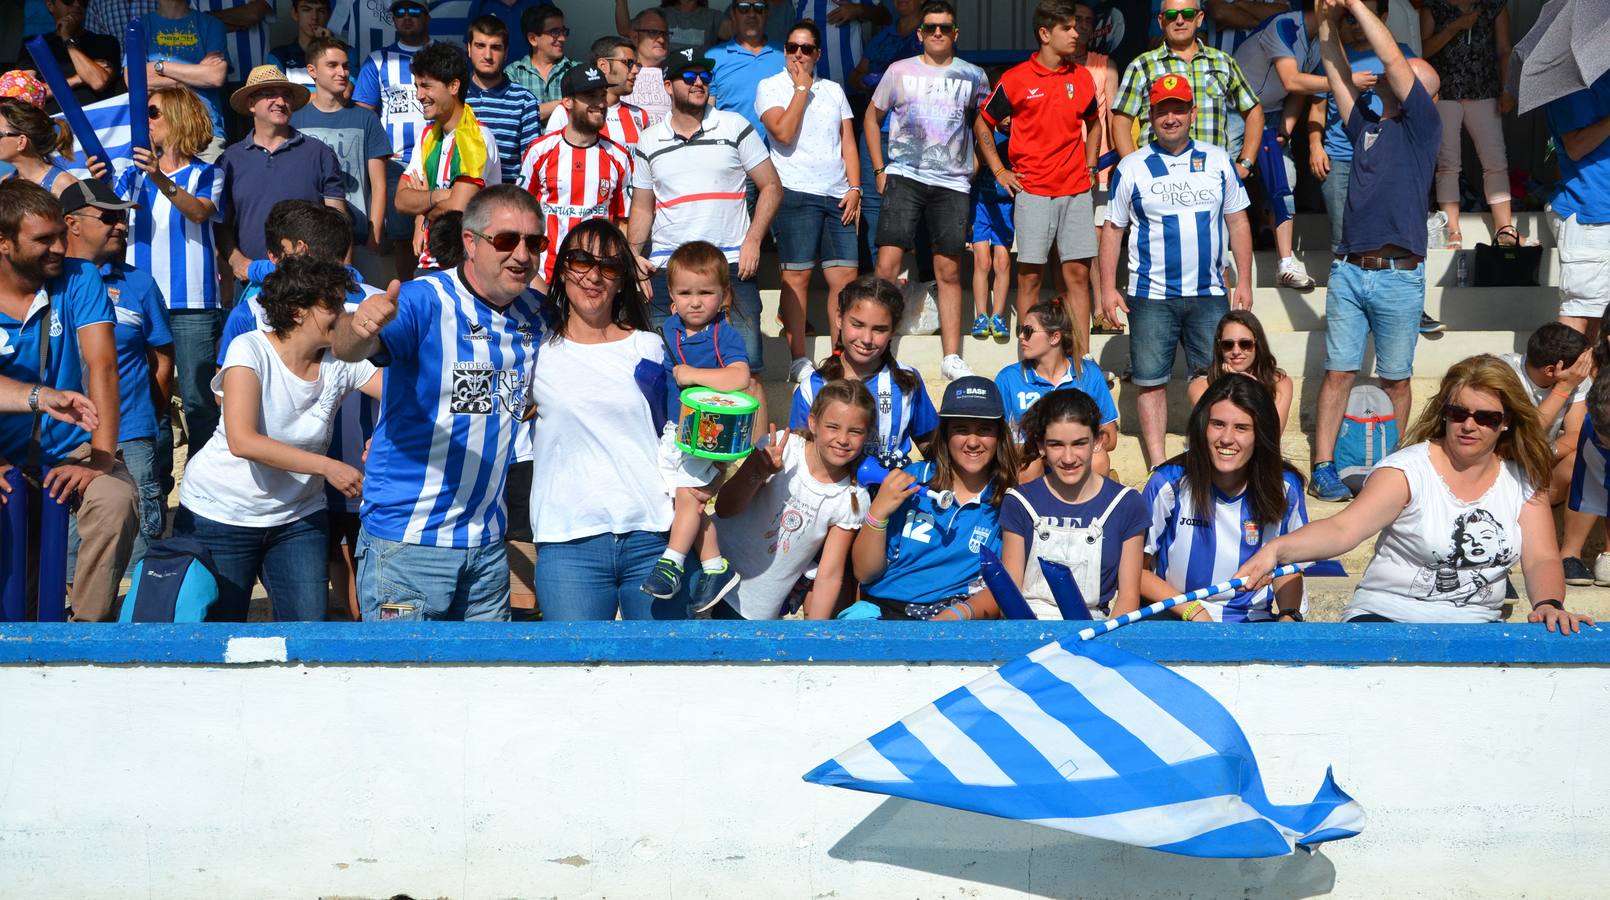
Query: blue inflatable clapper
x=52, y=550
x=1065, y=591
x=14, y=549
x=1007, y=595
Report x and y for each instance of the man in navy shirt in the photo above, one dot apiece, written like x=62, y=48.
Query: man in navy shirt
x=1377, y=282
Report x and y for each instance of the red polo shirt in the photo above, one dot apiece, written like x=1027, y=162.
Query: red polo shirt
x=1048, y=108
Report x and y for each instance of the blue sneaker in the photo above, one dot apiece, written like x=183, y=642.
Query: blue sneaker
x=664, y=581
x=981, y=326
x=713, y=587
x=997, y=328
x=1325, y=484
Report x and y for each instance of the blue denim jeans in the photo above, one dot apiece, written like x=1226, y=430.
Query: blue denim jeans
x=745, y=315
x=139, y=457
x=412, y=581
x=195, y=359
x=1383, y=303
x=1156, y=327
x=291, y=560
x=1334, y=187
x=592, y=578
x=809, y=229
x=871, y=202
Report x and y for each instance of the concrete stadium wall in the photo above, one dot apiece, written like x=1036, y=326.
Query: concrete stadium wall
x=651, y=760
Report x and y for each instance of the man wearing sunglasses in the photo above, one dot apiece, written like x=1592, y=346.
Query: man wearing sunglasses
x=930, y=100
x=457, y=348
x=385, y=85
x=543, y=71
x=741, y=64
x=615, y=60
x=688, y=184
x=98, y=231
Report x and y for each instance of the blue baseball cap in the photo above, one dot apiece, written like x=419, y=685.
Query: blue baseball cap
x=972, y=397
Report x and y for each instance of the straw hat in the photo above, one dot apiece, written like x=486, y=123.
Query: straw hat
x=263, y=78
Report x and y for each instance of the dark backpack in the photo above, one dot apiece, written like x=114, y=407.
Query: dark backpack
x=175, y=582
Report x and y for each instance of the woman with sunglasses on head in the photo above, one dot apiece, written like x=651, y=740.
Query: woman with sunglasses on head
x=1463, y=501
x=1052, y=359
x=1241, y=346
x=600, y=507
x=813, y=148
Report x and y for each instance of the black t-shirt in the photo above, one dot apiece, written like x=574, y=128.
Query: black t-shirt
x=99, y=47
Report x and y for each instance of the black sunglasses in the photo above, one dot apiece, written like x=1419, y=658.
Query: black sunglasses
x=939, y=27
x=152, y=112
x=1027, y=331
x=1486, y=418
x=506, y=241
x=417, y=12
x=806, y=49
x=749, y=7
x=652, y=33
x=107, y=216
x=1229, y=344
x=698, y=75
x=580, y=263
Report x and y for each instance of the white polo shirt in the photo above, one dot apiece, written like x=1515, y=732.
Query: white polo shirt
x=698, y=183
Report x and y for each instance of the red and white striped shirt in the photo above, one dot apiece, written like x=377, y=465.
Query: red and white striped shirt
x=623, y=123
x=573, y=183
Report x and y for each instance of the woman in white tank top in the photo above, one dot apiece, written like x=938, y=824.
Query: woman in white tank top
x=1455, y=509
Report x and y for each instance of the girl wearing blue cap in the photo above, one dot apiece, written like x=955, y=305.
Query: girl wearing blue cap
x=917, y=556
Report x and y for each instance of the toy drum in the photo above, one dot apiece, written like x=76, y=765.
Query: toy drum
x=716, y=425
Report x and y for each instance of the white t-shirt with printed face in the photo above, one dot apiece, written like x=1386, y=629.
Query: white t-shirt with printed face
x=1517, y=361
x=225, y=488
x=814, y=163
x=774, y=540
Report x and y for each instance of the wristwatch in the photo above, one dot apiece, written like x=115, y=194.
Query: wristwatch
x=158, y=66
x=33, y=398
x=801, y=88
x=171, y=190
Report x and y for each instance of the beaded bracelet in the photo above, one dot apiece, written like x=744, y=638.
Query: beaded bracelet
x=876, y=524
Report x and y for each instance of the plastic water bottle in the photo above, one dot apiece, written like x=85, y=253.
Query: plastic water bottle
x=1462, y=270
x=1437, y=230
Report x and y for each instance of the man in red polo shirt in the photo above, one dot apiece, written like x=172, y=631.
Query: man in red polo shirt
x=1051, y=103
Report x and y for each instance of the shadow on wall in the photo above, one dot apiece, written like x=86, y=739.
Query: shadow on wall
x=1050, y=863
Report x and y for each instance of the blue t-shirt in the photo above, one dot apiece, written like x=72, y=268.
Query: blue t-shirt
x=901, y=416
x=77, y=300
x=189, y=40
x=1337, y=146
x=142, y=323
x=737, y=74
x=719, y=345
x=1584, y=186
x=933, y=553
x=355, y=136
x=1392, y=164
x=1021, y=387
x=1127, y=520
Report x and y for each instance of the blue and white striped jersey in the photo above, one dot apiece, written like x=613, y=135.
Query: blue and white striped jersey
x=458, y=379
x=841, y=44
x=246, y=48
x=365, y=25
x=386, y=85
x=175, y=251
x=1192, y=549
x=900, y=417
x=1590, y=483
x=1174, y=207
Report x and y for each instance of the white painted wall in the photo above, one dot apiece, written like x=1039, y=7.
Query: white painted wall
x=659, y=781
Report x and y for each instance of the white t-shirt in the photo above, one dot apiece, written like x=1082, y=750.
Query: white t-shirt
x=814, y=163
x=595, y=464
x=225, y=488
x=1517, y=361
x=775, y=539
x=1442, y=559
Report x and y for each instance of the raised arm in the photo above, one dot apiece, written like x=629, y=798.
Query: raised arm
x=1338, y=73
x=1394, y=66
x=1385, y=495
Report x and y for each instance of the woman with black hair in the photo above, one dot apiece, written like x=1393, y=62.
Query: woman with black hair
x=600, y=508
x=1240, y=345
x=1213, y=506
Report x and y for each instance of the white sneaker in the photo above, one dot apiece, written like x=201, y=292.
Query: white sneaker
x=800, y=370
x=1294, y=275
x=1601, y=570
x=954, y=367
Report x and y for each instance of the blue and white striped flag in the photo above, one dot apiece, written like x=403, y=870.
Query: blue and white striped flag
x=1086, y=738
x=110, y=119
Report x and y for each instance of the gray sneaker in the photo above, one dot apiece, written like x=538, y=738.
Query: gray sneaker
x=1601, y=570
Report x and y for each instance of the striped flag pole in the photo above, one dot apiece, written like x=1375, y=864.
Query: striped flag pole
x=1212, y=590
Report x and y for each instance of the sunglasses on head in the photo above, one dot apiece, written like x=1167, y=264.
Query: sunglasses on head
x=1188, y=13
x=806, y=49
x=506, y=241
x=936, y=28
x=580, y=263
x=1486, y=418
x=1229, y=344
x=699, y=75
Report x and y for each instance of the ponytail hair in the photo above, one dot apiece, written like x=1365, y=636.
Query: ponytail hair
x=884, y=293
x=46, y=136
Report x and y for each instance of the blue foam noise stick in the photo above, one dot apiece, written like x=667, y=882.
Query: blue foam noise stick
x=70, y=110
x=14, y=550
x=1065, y=591
x=52, y=559
x=1007, y=595
x=1223, y=587
x=139, y=97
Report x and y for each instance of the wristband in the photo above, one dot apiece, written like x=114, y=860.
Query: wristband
x=964, y=609
x=1554, y=603
x=878, y=170
x=854, y=187
x=1560, y=395
x=997, y=172
x=469, y=179
x=876, y=524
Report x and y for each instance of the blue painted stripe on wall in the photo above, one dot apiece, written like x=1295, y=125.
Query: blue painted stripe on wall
x=797, y=642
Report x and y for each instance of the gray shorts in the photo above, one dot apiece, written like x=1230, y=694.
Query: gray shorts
x=1070, y=221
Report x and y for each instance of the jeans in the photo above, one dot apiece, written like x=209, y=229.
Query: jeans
x=745, y=314
x=1157, y=326
x=195, y=359
x=292, y=560
x=591, y=578
x=139, y=457
x=413, y=581
x=810, y=229
x=1334, y=187
x=1383, y=303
